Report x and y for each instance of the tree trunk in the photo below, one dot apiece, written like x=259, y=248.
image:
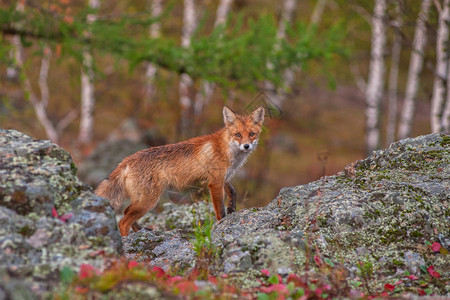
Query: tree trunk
x=277, y=95
x=441, y=70
x=203, y=97
x=375, y=83
x=39, y=105
x=393, y=77
x=87, y=90
x=155, y=32
x=415, y=68
x=186, y=82
x=317, y=13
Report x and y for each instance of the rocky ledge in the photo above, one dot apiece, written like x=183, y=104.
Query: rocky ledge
x=48, y=218
x=381, y=219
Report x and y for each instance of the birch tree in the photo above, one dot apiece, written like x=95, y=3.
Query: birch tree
x=186, y=82
x=277, y=95
x=154, y=32
x=441, y=70
x=40, y=104
x=446, y=112
x=204, y=95
x=375, y=83
x=393, y=76
x=415, y=68
x=87, y=89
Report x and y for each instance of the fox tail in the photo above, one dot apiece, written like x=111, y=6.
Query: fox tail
x=112, y=188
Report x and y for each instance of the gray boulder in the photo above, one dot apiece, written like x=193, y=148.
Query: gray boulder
x=380, y=211
x=48, y=218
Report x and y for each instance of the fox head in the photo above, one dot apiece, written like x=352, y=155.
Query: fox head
x=244, y=130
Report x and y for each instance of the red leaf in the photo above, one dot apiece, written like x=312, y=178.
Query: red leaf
x=265, y=272
x=412, y=277
x=279, y=288
x=186, y=287
x=398, y=282
x=436, y=247
x=212, y=279
x=158, y=271
x=87, y=271
x=66, y=217
x=81, y=289
x=224, y=275
x=433, y=273
x=421, y=292
x=54, y=212
x=132, y=264
x=175, y=279
x=318, y=260
x=99, y=252
x=279, y=278
x=389, y=287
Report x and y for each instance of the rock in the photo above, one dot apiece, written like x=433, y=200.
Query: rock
x=396, y=200
x=379, y=213
x=48, y=218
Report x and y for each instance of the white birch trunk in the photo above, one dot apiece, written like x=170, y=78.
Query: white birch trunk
x=186, y=82
x=445, y=121
x=87, y=90
x=439, y=93
x=39, y=105
x=154, y=32
x=393, y=78
x=375, y=83
x=207, y=88
x=446, y=113
x=276, y=96
x=415, y=68
x=317, y=13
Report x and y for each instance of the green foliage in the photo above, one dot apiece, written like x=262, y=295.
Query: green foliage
x=239, y=54
x=201, y=238
x=67, y=275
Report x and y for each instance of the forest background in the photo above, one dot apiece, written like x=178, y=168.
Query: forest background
x=338, y=78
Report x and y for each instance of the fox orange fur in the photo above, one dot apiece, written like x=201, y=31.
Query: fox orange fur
x=141, y=177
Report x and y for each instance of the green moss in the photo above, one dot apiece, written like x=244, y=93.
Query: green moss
x=416, y=233
x=445, y=141
x=26, y=231
x=397, y=262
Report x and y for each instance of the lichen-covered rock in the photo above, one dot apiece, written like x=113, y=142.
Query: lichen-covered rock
x=166, y=240
x=382, y=209
x=48, y=218
x=169, y=250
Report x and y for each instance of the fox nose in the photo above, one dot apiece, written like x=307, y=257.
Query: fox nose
x=246, y=146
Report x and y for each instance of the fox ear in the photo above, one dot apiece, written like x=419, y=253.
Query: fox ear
x=258, y=115
x=228, y=116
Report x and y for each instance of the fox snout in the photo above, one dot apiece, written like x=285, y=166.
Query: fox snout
x=247, y=146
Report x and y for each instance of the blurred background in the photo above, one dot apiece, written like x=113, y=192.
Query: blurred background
x=339, y=79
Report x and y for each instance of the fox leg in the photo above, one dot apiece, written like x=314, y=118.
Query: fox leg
x=231, y=194
x=135, y=226
x=146, y=201
x=217, y=193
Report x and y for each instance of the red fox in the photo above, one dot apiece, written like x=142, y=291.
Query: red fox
x=143, y=176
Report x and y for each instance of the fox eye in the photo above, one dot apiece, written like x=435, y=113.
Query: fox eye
x=238, y=135
x=251, y=134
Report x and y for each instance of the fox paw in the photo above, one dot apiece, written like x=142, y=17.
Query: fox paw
x=230, y=210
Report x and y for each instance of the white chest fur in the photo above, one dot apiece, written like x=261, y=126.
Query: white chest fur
x=238, y=158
